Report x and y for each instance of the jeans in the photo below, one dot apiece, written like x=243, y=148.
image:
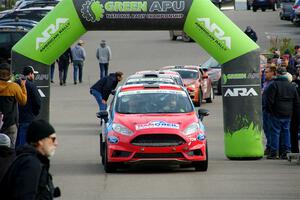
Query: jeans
x=77, y=66
x=280, y=130
x=103, y=69
x=21, y=137
x=52, y=68
x=63, y=71
x=98, y=98
x=267, y=128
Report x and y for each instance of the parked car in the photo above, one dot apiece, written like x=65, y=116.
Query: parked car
x=264, y=5
x=34, y=14
x=28, y=24
x=295, y=16
x=196, y=81
x=9, y=36
x=148, y=124
x=286, y=9
x=175, y=34
x=35, y=3
x=172, y=74
x=213, y=69
x=249, y=4
x=149, y=77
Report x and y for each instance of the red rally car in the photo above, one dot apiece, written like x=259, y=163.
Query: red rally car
x=153, y=123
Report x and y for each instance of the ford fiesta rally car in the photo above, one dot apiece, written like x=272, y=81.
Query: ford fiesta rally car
x=153, y=123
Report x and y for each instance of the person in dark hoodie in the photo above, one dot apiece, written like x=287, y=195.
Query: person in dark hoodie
x=31, y=109
x=251, y=33
x=7, y=154
x=78, y=55
x=63, y=66
x=281, y=101
x=28, y=177
x=103, y=88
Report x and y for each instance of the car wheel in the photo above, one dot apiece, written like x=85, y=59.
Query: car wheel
x=254, y=9
x=102, y=145
x=172, y=36
x=263, y=9
x=108, y=167
x=211, y=96
x=202, y=165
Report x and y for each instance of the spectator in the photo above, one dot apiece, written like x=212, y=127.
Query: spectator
x=103, y=88
x=78, y=55
x=63, y=65
x=270, y=74
x=31, y=109
x=28, y=176
x=251, y=33
x=281, y=99
x=103, y=55
x=7, y=154
x=10, y=94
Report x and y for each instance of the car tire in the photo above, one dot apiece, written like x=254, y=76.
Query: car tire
x=263, y=9
x=108, y=167
x=254, y=9
x=211, y=97
x=202, y=165
x=172, y=36
x=102, y=145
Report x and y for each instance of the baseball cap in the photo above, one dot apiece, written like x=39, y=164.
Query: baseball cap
x=29, y=69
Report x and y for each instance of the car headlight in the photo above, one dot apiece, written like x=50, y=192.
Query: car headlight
x=119, y=128
x=192, y=128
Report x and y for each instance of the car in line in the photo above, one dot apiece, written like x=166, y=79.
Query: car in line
x=176, y=34
x=152, y=124
x=196, y=81
x=172, y=74
x=295, y=16
x=9, y=36
x=34, y=14
x=213, y=69
x=264, y=5
x=149, y=78
x=286, y=9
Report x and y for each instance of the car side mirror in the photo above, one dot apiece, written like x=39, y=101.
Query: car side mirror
x=103, y=114
x=202, y=113
x=113, y=92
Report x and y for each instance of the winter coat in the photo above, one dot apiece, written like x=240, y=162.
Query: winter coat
x=251, y=34
x=65, y=58
x=282, y=98
x=28, y=178
x=106, y=85
x=10, y=95
x=7, y=156
x=32, y=108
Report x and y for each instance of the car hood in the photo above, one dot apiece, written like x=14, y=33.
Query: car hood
x=156, y=122
x=189, y=81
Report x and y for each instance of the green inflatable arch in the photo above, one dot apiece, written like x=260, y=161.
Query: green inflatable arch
x=200, y=19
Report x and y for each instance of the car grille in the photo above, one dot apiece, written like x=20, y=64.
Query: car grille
x=158, y=155
x=158, y=140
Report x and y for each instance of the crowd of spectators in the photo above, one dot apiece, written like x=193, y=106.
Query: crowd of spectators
x=281, y=103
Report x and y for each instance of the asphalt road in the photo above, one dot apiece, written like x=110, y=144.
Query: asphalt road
x=76, y=166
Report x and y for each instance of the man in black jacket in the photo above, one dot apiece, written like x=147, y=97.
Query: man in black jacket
x=63, y=66
x=31, y=109
x=281, y=99
x=103, y=88
x=251, y=33
x=28, y=177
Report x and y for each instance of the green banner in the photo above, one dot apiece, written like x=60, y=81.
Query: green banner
x=216, y=33
x=53, y=35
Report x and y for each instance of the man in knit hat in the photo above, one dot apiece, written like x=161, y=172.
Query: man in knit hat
x=29, y=177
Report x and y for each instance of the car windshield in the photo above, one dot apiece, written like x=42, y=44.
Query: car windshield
x=149, y=81
x=153, y=101
x=188, y=74
x=211, y=63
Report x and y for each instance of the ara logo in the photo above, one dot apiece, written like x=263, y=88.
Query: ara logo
x=243, y=92
x=50, y=31
x=216, y=30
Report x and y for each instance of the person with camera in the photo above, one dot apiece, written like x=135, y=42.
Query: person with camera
x=11, y=94
x=31, y=109
x=28, y=177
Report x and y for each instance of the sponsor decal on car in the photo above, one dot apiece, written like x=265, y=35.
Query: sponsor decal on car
x=157, y=124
